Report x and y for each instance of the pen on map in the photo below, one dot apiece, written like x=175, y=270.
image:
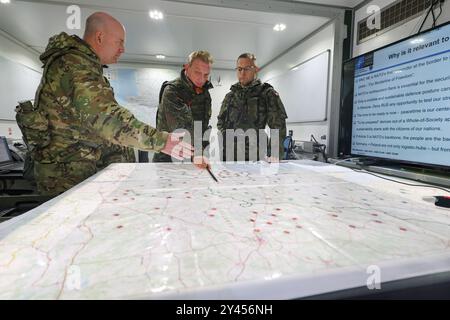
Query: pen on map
x=211, y=174
x=440, y=201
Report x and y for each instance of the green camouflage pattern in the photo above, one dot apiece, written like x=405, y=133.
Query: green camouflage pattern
x=34, y=124
x=253, y=107
x=180, y=106
x=87, y=129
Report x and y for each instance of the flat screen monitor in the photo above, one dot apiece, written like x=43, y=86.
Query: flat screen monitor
x=395, y=102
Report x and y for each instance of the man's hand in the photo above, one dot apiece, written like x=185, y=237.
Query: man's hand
x=201, y=162
x=176, y=148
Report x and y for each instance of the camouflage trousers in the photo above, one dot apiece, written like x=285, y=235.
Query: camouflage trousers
x=55, y=178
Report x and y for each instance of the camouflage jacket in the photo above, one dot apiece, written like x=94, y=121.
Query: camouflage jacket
x=180, y=106
x=85, y=123
x=253, y=107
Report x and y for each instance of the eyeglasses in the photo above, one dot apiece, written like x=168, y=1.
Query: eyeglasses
x=246, y=69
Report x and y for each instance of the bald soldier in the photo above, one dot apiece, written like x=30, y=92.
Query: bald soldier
x=76, y=127
x=250, y=106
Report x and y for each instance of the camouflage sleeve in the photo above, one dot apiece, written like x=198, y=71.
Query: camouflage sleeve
x=206, y=135
x=94, y=100
x=175, y=113
x=276, y=116
x=208, y=111
x=221, y=118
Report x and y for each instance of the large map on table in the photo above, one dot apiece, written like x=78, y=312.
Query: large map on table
x=169, y=230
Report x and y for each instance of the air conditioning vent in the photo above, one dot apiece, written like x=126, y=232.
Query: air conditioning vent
x=392, y=16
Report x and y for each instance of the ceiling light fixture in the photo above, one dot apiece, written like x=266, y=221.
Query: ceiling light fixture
x=156, y=15
x=160, y=56
x=279, y=27
x=5, y=1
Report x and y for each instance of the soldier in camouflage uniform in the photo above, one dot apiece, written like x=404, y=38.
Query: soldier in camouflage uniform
x=251, y=104
x=76, y=127
x=185, y=100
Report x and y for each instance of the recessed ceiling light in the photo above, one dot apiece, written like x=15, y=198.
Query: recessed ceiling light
x=279, y=27
x=160, y=56
x=156, y=15
x=5, y=1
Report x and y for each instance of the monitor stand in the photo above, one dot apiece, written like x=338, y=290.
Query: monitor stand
x=435, y=177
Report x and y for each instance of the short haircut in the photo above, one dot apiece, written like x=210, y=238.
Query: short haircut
x=247, y=55
x=204, y=56
x=94, y=23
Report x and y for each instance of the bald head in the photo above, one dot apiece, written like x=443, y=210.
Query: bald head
x=106, y=36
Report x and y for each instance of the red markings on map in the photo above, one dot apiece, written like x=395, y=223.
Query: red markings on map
x=212, y=214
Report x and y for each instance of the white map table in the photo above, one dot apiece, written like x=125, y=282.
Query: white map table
x=169, y=231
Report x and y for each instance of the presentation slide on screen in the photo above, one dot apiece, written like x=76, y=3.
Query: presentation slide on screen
x=401, y=103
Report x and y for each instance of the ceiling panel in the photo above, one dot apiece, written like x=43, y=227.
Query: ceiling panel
x=224, y=32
